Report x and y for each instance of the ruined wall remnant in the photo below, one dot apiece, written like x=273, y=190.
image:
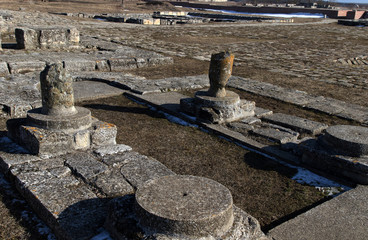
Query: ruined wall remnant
x=46, y=38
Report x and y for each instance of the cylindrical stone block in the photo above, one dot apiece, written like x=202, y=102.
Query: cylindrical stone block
x=185, y=205
x=349, y=140
x=221, y=67
x=57, y=91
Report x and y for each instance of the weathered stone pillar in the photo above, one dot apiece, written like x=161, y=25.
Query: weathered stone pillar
x=221, y=67
x=57, y=91
x=216, y=105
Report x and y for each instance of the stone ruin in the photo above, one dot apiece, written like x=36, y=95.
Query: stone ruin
x=164, y=206
x=59, y=127
x=218, y=105
x=179, y=207
x=47, y=38
x=342, y=150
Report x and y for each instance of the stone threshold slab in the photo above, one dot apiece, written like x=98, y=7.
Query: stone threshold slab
x=343, y=217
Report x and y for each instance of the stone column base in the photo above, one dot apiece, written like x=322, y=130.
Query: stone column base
x=49, y=142
x=217, y=109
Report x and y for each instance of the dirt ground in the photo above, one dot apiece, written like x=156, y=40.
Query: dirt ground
x=259, y=186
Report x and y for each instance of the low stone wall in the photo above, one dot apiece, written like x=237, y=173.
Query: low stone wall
x=46, y=38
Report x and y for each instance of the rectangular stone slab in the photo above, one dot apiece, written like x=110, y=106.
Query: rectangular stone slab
x=276, y=135
x=296, y=123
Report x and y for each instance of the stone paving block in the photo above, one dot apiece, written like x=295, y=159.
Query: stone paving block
x=112, y=183
x=142, y=86
x=270, y=90
x=296, y=123
x=84, y=165
x=142, y=169
x=103, y=133
x=343, y=217
x=71, y=209
x=160, y=61
x=11, y=154
x=260, y=112
x=122, y=158
x=79, y=65
x=278, y=135
x=26, y=66
x=4, y=70
x=112, y=149
x=120, y=64
x=90, y=90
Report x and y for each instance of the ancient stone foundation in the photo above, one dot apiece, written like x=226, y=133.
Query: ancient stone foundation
x=180, y=207
x=59, y=127
x=46, y=38
x=341, y=151
x=218, y=105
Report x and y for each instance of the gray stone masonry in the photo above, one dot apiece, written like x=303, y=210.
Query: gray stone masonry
x=47, y=38
x=216, y=105
x=342, y=151
x=344, y=217
x=272, y=139
x=59, y=127
x=177, y=207
x=295, y=123
x=322, y=104
x=72, y=193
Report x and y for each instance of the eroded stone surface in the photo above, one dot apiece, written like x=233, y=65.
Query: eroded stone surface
x=210, y=202
x=57, y=91
x=85, y=165
x=301, y=125
x=187, y=205
x=346, y=139
x=141, y=169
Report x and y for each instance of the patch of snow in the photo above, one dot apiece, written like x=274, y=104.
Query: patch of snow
x=177, y=120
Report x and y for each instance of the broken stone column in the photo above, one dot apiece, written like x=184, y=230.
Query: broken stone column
x=180, y=207
x=57, y=91
x=58, y=111
x=221, y=67
x=59, y=127
x=218, y=105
